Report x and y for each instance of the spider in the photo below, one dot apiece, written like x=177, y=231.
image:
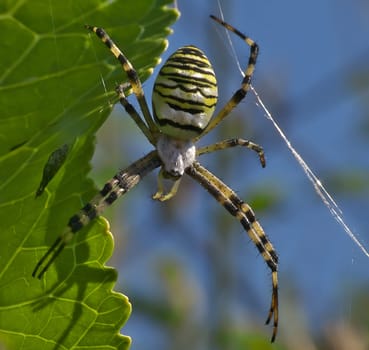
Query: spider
x=183, y=102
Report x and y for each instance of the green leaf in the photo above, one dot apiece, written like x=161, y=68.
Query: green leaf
x=52, y=166
x=57, y=87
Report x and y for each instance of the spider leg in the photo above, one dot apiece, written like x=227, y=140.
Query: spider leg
x=242, y=211
x=240, y=94
x=233, y=143
x=132, y=75
x=120, y=184
x=131, y=110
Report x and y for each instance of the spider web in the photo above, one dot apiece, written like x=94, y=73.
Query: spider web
x=321, y=191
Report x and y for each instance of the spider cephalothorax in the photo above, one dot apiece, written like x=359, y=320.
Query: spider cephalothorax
x=184, y=99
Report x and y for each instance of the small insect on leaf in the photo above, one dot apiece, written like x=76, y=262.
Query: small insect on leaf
x=53, y=164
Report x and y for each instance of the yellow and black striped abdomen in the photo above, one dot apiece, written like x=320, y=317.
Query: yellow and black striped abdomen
x=185, y=94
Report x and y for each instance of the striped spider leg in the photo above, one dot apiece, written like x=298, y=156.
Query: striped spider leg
x=183, y=102
x=243, y=212
x=120, y=184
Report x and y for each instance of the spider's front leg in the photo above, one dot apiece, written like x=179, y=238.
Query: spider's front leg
x=120, y=184
x=243, y=212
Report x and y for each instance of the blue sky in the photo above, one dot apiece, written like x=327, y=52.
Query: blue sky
x=309, y=53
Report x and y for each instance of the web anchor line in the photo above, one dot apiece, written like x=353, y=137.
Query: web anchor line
x=327, y=199
x=324, y=195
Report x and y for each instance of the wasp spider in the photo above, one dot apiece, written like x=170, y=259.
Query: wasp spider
x=183, y=101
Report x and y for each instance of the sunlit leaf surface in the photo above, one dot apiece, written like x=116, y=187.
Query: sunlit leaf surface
x=56, y=88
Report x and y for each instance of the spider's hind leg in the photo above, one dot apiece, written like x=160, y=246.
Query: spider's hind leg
x=131, y=73
x=131, y=110
x=248, y=72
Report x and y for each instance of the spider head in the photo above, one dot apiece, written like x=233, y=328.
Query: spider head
x=176, y=155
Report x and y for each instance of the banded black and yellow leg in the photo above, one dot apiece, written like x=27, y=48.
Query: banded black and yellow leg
x=132, y=75
x=233, y=143
x=240, y=94
x=242, y=211
x=131, y=110
x=120, y=184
